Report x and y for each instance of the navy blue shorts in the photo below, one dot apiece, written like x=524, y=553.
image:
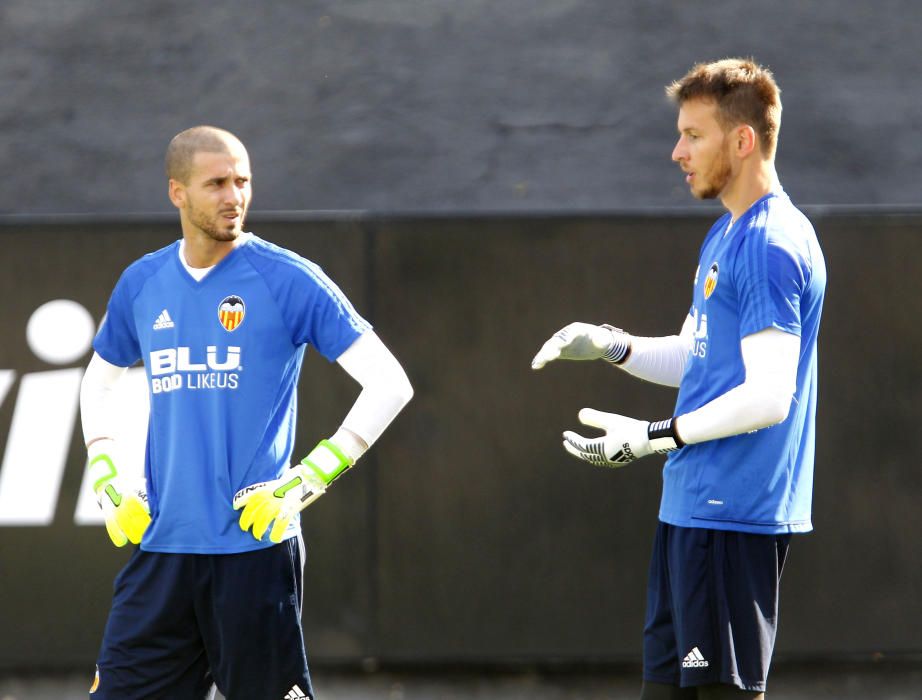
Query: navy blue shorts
x=181, y=622
x=712, y=607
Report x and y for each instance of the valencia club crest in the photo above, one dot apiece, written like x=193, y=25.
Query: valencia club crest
x=231, y=312
x=710, y=282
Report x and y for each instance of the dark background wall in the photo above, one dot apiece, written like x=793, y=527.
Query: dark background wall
x=441, y=105
x=467, y=534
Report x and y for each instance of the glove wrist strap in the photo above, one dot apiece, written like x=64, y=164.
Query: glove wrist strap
x=101, y=466
x=327, y=462
x=620, y=348
x=663, y=436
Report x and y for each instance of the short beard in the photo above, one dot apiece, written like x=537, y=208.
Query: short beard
x=718, y=178
x=211, y=228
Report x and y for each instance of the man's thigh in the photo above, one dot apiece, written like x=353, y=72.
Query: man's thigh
x=251, y=622
x=151, y=646
x=712, y=607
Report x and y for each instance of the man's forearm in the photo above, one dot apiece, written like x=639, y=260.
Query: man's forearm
x=763, y=399
x=657, y=360
x=385, y=388
x=99, y=381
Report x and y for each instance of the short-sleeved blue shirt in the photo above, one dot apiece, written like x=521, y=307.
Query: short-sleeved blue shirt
x=222, y=357
x=766, y=270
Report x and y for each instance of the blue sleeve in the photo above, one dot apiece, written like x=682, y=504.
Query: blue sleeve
x=324, y=316
x=314, y=309
x=771, y=279
x=117, y=339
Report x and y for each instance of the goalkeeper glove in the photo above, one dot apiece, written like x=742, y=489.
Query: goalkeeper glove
x=281, y=499
x=625, y=439
x=585, y=341
x=123, y=504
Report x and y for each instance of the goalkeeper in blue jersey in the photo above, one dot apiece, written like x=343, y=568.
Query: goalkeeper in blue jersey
x=738, y=478
x=221, y=320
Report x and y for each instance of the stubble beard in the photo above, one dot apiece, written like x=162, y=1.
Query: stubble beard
x=213, y=228
x=717, y=179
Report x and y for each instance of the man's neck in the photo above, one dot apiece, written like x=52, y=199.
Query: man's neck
x=203, y=251
x=748, y=188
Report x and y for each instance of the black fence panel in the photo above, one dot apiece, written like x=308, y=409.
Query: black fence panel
x=467, y=535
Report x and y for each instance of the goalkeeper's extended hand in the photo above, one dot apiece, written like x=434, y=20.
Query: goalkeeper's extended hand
x=584, y=341
x=625, y=439
x=123, y=503
x=281, y=499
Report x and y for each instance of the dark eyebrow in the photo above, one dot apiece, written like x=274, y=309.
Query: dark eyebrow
x=225, y=178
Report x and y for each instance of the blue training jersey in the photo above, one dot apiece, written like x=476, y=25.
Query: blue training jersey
x=765, y=271
x=222, y=357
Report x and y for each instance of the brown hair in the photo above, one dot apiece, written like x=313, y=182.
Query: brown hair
x=745, y=93
x=184, y=146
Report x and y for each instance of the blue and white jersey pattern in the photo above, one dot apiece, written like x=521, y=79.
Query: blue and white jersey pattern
x=222, y=357
x=765, y=270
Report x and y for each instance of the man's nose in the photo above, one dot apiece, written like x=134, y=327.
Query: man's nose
x=679, y=152
x=234, y=194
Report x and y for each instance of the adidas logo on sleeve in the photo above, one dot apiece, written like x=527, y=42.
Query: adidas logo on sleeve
x=294, y=694
x=694, y=659
x=163, y=321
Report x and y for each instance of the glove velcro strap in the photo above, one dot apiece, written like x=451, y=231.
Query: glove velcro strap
x=327, y=461
x=620, y=348
x=101, y=470
x=663, y=436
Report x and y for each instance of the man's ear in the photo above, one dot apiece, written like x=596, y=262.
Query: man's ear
x=177, y=192
x=746, y=141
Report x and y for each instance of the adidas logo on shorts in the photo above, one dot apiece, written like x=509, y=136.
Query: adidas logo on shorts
x=294, y=694
x=694, y=659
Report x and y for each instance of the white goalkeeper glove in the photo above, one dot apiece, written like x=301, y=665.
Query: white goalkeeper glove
x=123, y=501
x=625, y=439
x=281, y=499
x=584, y=341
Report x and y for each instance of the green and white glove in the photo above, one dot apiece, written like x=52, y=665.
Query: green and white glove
x=584, y=341
x=279, y=500
x=123, y=501
x=625, y=439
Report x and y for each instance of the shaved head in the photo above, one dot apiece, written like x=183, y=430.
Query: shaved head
x=199, y=139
